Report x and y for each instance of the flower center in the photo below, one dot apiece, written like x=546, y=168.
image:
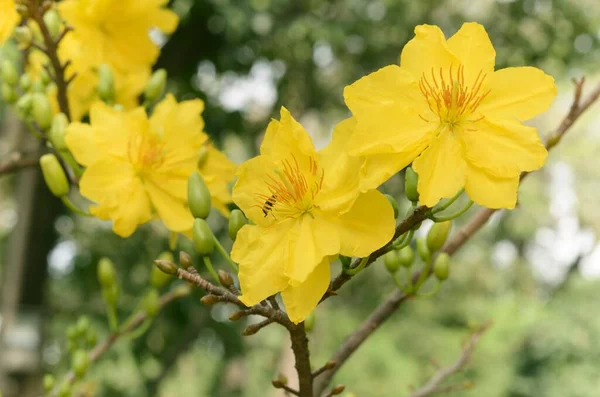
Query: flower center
x=292, y=190
x=450, y=97
x=146, y=152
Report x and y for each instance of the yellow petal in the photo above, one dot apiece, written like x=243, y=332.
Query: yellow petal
x=119, y=193
x=341, y=180
x=518, y=93
x=172, y=211
x=441, y=170
x=313, y=238
x=378, y=168
x=180, y=124
x=302, y=299
x=261, y=254
x=427, y=51
x=10, y=18
x=503, y=148
x=490, y=191
x=218, y=171
x=473, y=48
x=367, y=226
x=81, y=142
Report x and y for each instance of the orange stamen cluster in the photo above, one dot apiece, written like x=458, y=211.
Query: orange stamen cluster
x=449, y=96
x=145, y=152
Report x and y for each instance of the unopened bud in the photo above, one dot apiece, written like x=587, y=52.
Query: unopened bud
x=23, y=35
x=436, y=238
x=422, y=249
x=152, y=302
x=237, y=220
x=282, y=378
x=106, y=83
x=52, y=21
x=111, y=295
x=80, y=363
x=72, y=332
x=198, y=196
x=391, y=261
x=91, y=337
x=106, y=273
x=158, y=278
x=202, y=157
x=48, y=383
x=209, y=299
x=166, y=267
x=406, y=256
x=44, y=77
x=82, y=325
x=394, y=204
x=225, y=278
x=38, y=86
x=9, y=73
x=237, y=315
x=23, y=10
x=9, y=94
x=411, y=179
x=277, y=384
x=441, y=266
x=24, y=105
x=185, y=260
x=156, y=85
x=57, y=131
x=309, y=322
x=41, y=110
x=338, y=389
x=25, y=82
x=204, y=240
x=54, y=175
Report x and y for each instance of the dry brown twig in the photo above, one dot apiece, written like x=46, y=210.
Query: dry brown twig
x=16, y=162
x=579, y=105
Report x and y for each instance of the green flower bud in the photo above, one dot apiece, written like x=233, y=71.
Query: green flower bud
x=41, y=110
x=72, y=332
x=91, y=337
x=156, y=85
x=106, y=273
x=203, y=237
x=24, y=105
x=441, y=266
x=25, y=82
x=48, y=383
x=54, y=175
x=57, y=131
x=437, y=235
x=106, y=83
x=9, y=94
x=411, y=179
x=394, y=204
x=52, y=21
x=65, y=390
x=202, y=157
x=167, y=267
x=23, y=35
x=82, y=326
x=152, y=302
x=309, y=322
x=422, y=249
x=237, y=220
x=406, y=256
x=346, y=261
x=185, y=260
x=111, y=295
x=9, y=73
x=80, y=363
x=38, y=86
x=158, y=278
x=44, y=77
x=71, y=345
x=391, y=261
x=198, y=196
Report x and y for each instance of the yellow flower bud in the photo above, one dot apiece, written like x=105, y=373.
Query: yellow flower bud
x=156, y=85
x=106, y=83
x=48, y=383
x=237, y=220
x=9, y=94
x=106, y=273
x=198, y=196
x=441, y=266
x=52, y=21
x=152, y=302
x=158, y=278
x=80, y=363
x=23, y=35
x=394, y=204
x=309, y=322
x=9, y=73
x=41, y=110
x=57, y=131
x=422, y=249
x=391, y=260
x=54, y=175
x=406, y=256
x=411, y=179
x=437, y=235
x=203, y=237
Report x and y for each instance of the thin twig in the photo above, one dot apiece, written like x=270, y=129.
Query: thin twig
x=328, y=365
x=457, y=240
x=254, y=328
x=433, y=385
x=15, y=162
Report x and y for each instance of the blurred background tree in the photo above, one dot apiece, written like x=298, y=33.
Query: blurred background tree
x=532, y=271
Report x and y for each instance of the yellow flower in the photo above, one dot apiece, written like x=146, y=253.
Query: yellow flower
x=306, y=207
x=446, y=109
x=116, y=32
x=138, y=166
x=9, y=18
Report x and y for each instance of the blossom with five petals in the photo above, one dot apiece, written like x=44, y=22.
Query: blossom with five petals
x=448, y=112
x=306, y=207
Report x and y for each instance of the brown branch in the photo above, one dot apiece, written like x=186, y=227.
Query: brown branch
x=458, y=239
x=433, y=385
x=104, y=346
x=15, y=162
x=302, y=356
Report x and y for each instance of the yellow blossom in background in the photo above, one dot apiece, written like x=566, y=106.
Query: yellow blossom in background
x=448, y=112
x=306, y=207
x=9, y=18
x=218, y=171
x=138, y=166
